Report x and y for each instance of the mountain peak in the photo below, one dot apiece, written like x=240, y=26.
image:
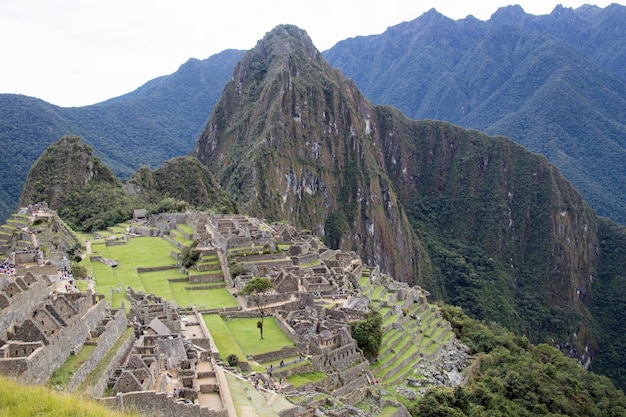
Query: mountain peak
x=291, y=138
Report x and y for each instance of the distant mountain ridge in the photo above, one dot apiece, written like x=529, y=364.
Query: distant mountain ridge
x=468, y=72
x=158, y=121
x=554, y=83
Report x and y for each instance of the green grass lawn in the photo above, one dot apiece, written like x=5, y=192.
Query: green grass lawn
x=223, y=338
x=213, y=298
x=298, y=380
x=249, y=337
x=64, y=373
x=138, y=252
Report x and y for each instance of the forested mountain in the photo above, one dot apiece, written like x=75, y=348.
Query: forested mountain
x=555, y=84
x=493, y=228
x=89, y=197
x=158, y=121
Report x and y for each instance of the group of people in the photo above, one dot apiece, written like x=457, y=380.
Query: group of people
x=7, y=267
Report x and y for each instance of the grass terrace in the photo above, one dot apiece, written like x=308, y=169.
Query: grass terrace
x=119, y=229
x=242, y=338
x=177, y=236
x=298, y=380
x=63, y=374
x=223, y=338
x=249, y=338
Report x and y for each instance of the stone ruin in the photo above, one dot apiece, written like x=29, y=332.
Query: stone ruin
x=41, y=327
x=170, y=368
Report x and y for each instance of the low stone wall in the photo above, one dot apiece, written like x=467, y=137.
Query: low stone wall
x=268, y=299
x=221, y=310
x=113, y=329
x=208, y=267
x=116, y=242
x=304, y=368
x=193, y=279
x=158, y=405
x=145, y=230
x=155, y=268
x=236, y=314
x=275, y=355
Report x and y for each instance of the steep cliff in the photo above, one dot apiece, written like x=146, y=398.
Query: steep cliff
x=292, y=139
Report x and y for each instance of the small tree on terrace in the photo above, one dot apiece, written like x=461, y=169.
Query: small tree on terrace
x=256, y=289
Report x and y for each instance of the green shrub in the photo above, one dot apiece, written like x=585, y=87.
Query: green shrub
x=232, y=360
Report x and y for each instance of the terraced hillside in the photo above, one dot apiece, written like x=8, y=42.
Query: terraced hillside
x=418, y=349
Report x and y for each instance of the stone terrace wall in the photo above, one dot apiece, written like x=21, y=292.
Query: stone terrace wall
x=158, y=405
x=113, y=330
x=100, y=387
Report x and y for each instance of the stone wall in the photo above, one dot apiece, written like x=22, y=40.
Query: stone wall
x=113, y=330
x=275, y=355
x=61, y=343
x=100, y=387
x=304, y=259
x=22, y=304
x=155, y=268
x=158, y=405
x=280, y=321
x=268, y=299
x=207, y=277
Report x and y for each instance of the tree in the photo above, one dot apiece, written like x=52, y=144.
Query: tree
x=368, y=334
x=256, y=289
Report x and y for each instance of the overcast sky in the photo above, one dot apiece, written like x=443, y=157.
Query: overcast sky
x=80, y=52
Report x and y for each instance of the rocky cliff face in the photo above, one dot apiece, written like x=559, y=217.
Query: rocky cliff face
x=292, y=139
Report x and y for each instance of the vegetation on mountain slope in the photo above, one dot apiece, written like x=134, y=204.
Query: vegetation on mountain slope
x=148, y=126
x=86, y=194
x=291, y=139
x=607, y=303
x=553, y=83
x=501, y=232
x=183, y=178
x=512, y=377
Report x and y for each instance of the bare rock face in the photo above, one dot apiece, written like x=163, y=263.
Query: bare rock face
x=293, y=139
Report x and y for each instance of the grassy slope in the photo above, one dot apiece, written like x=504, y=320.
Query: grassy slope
x=26, y=401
